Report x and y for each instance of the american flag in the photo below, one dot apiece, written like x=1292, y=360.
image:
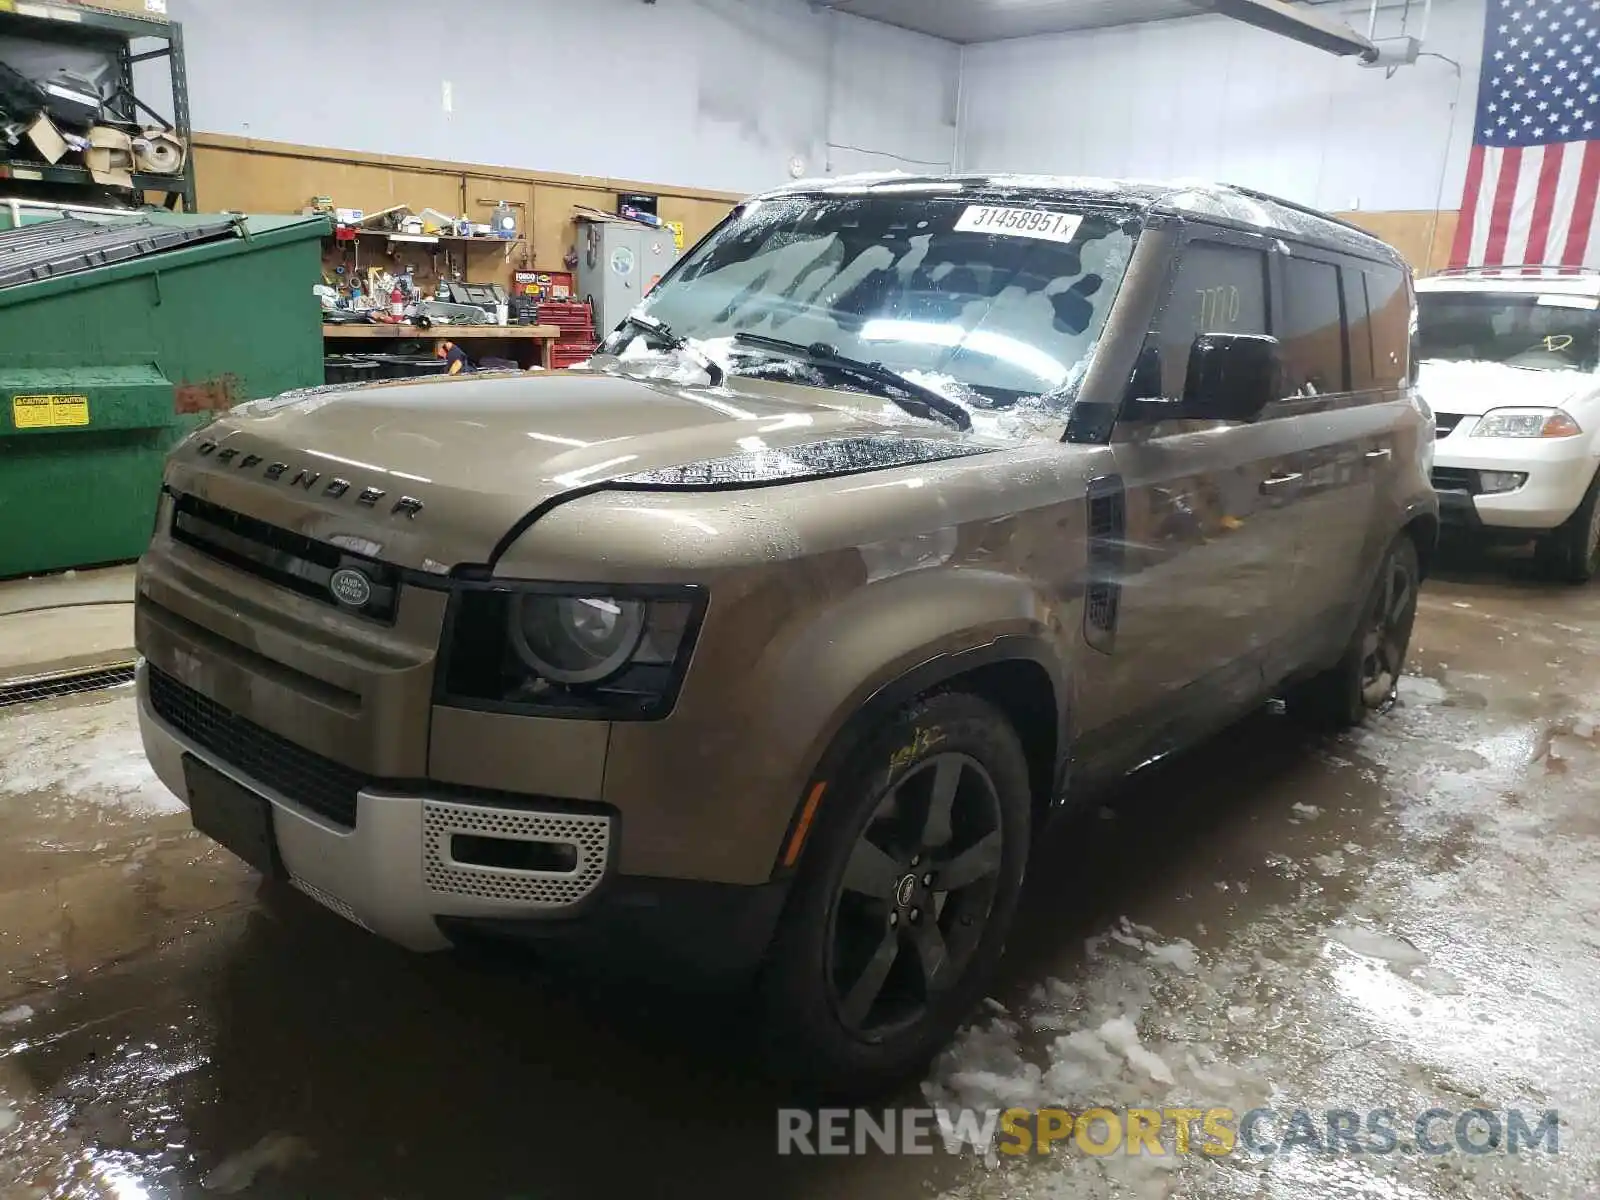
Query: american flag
x=1534, y=173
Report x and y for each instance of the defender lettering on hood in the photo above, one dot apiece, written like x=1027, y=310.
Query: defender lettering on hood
x=334, y=489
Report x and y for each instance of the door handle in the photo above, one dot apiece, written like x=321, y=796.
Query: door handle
x=1277, y=483
x=1376, y=455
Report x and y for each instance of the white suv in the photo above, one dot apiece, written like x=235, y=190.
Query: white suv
x=1508, y=364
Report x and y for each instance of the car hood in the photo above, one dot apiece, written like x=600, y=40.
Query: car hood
x=437, y=474
x=1473, y=388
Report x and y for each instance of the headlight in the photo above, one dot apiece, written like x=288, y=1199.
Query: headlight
x=605, y=652
x=576, y=639
x=1526, y=423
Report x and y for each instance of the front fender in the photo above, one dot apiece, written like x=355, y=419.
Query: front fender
x=827, y=682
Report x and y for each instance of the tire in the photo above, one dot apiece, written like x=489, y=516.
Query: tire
x=1365, y=678
x=1571, y=553
x=846, y=1006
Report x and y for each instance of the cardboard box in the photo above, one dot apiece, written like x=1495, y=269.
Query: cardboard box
x=159, y=153
x=149, y=10
x=104, y=137
x=108, y=160
x=47, y=139
x=110, y=156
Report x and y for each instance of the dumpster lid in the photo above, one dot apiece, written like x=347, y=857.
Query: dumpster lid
x=51, y=249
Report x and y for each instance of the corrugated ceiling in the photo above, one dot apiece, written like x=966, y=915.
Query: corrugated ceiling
x=991, y=20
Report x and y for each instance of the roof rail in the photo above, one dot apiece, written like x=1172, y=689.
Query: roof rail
x=1253, y=194
x=1521, y=269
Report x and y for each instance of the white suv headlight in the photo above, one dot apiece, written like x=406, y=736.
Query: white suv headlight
x=1526, y=423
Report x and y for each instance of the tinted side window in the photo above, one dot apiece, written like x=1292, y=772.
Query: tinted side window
x=1354, y=282
x=1312, y=333
x=1217, y=289
x=1390, y=304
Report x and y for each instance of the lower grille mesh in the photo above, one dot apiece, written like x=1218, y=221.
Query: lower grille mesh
x=589, y=835
x=1455, y=479
x=325, y=787
x=329, y=901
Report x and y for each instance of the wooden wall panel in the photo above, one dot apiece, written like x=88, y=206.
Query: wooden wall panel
x=554, y=232
x=1412, y=233
x=251, y=176
x=239, y=174
x=699, y=217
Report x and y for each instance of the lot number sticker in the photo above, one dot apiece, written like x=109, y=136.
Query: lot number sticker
x=1020, y=222
x=49, y=412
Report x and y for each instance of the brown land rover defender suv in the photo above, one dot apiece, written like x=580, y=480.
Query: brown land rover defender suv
x=899, y=512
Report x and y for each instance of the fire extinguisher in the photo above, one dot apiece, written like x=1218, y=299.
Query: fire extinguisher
x=397, y=303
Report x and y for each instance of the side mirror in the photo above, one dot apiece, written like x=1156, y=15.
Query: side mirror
x=1231, y=377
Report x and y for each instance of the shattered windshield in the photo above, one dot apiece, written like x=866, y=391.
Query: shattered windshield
x=992, y=305
x=1548, y=333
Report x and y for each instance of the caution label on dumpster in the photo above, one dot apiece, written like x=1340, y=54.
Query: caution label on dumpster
x=49, y=412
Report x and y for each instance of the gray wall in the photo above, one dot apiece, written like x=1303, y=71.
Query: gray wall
x=702, y=93
x=726, y=93
x=1206, y=97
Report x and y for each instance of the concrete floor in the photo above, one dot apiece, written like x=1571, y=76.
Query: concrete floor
x=1404, y=918
x=67, y=620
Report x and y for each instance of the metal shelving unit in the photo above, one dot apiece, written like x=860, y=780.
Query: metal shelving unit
x=91, y=27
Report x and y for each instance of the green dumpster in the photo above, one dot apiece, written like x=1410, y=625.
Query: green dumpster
x=119, y=335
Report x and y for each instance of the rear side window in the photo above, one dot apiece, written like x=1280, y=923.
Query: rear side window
x=1217, y=289
x=1313, y=329
x=1390, y=306
x=1354, y=282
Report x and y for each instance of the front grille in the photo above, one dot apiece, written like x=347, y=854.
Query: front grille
x=325, y=787
x=287, y=559
x=1455, y=479
x=1445, y=423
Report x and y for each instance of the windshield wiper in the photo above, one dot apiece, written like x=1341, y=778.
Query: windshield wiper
x=677, y=342
x=915, y=398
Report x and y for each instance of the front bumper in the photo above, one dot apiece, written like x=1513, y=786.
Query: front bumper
x=1558, y=470
x=395, y=873
x=1457, y=511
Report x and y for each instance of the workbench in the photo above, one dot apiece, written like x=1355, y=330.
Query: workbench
x=501, y=341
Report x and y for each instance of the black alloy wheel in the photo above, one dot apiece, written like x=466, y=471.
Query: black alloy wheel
x=898, y=913
x=1388, y=632
x=915, y=897
x=1366, y=678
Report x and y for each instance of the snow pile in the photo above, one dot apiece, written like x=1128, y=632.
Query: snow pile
x=1329, y=864
x=667, y=366
x=82, y=752
x=275, y=1152
x=1371, y=943
x=1147, y=1024
x=1419, y=689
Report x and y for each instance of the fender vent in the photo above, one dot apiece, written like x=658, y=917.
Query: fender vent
x=1108, y=526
